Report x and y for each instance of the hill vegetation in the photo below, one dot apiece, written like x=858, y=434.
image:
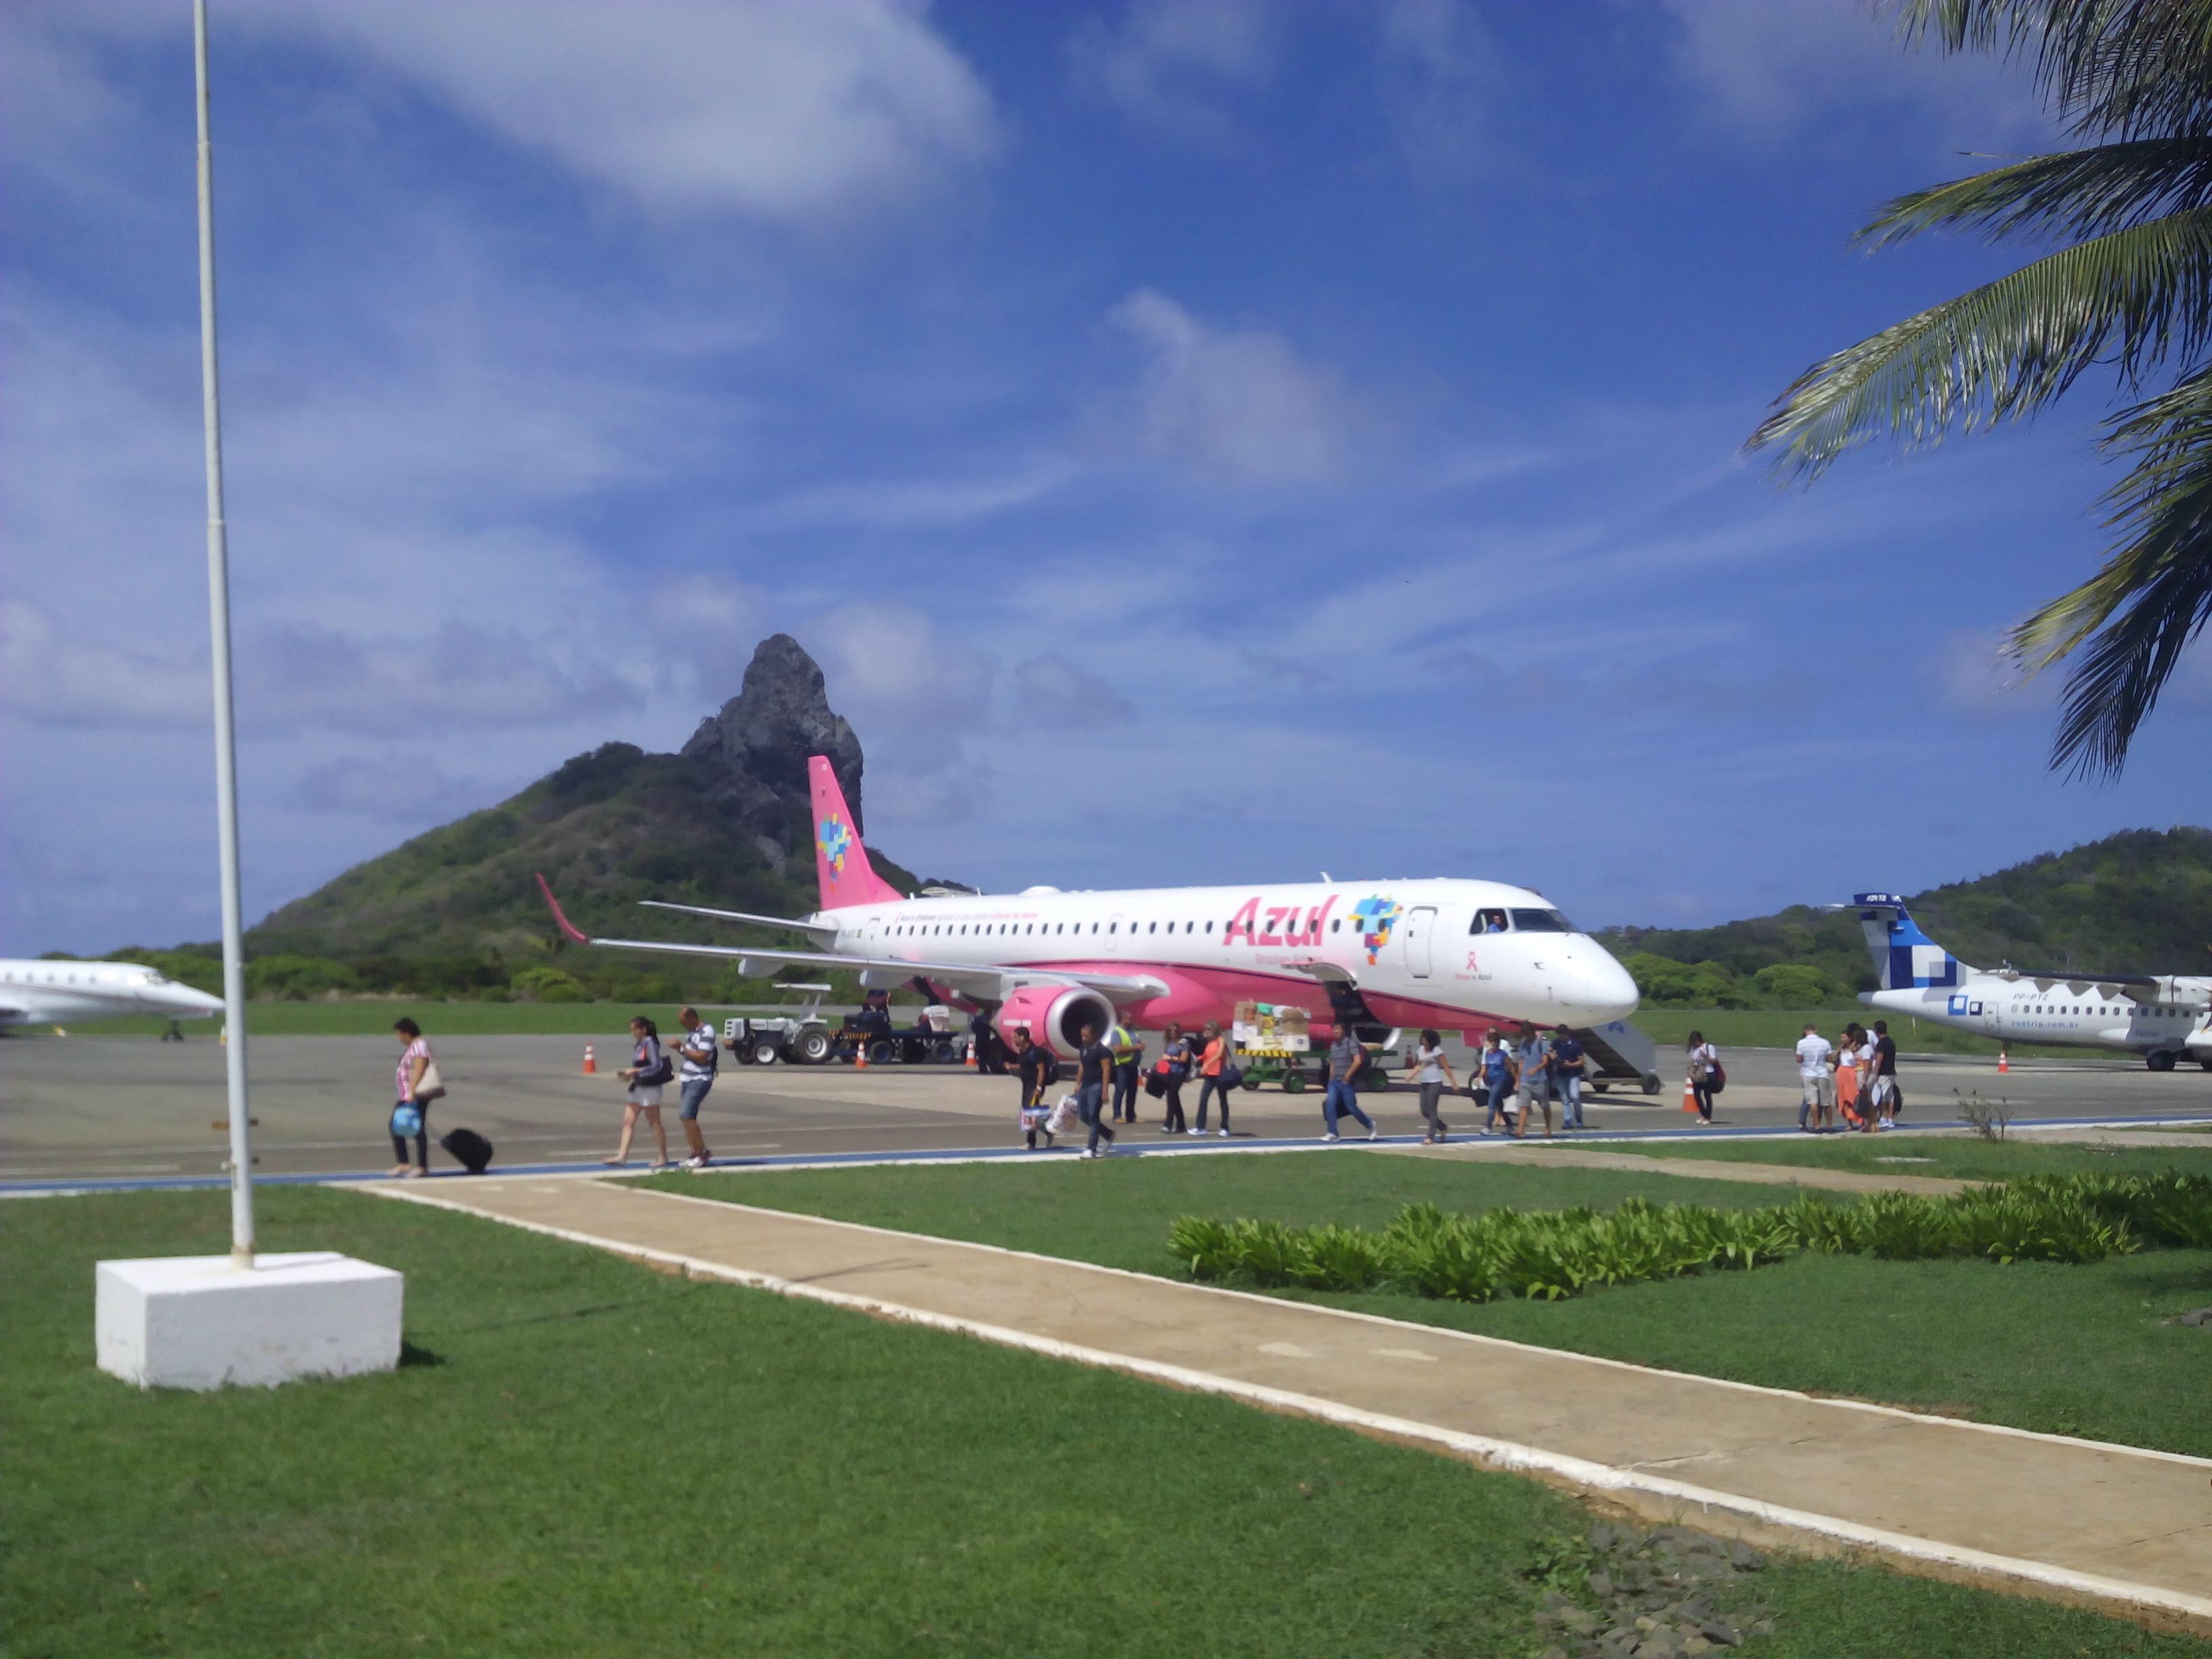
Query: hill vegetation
x=2139, y=902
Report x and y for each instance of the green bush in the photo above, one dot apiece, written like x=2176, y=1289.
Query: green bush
x=294, y=979
x=1546, y=1254
x=543, y=984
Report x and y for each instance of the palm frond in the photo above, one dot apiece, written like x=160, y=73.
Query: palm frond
x=2109, y=68
x=2134, y=298
x=2078, y=193
x=2154, y=593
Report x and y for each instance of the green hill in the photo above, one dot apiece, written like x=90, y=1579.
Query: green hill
x=2139, y=902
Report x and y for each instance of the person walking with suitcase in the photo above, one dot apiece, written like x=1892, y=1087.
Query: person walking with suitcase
x=1038, y=1070
x=414, y=1086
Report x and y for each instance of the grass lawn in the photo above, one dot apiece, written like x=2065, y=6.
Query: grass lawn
x=1963, y=1156
x=2073, y=1350
x=588, y=1457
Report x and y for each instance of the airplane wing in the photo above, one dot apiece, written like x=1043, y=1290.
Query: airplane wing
x=2140, y=987
x=813, y=930
x=993, y=984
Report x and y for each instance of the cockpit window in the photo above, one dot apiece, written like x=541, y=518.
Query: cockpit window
x=155, y=979
x=1489, y=920
x=1541, y=922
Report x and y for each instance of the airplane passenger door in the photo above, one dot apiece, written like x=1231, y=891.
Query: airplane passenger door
x=1419, y=933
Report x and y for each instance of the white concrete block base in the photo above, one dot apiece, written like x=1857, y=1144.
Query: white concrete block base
x=195, y=1321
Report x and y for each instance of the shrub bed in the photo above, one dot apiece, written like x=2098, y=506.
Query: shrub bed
x=1549, y=1254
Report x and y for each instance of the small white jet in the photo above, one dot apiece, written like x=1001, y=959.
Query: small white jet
x=61, y=993
x=2161, y=1017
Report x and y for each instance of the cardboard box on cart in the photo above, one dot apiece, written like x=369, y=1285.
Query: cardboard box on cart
x=1271, y=1025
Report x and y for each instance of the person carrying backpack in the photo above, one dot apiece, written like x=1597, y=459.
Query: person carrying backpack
x=650, y=1070
x=1569, y=1065
x=1706, y=1077
x=1174, y=1070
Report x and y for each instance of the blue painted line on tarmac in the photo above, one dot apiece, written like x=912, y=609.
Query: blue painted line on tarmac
x=64, y=1185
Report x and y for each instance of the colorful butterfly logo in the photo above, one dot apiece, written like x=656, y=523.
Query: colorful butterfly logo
x=834, y=840
x=1375, y=916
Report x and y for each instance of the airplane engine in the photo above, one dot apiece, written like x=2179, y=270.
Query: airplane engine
x=1055, y=1015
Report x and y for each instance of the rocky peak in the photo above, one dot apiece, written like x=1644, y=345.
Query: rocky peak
x=756, y=747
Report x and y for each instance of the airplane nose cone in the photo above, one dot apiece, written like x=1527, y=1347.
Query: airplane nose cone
x=1606, y=990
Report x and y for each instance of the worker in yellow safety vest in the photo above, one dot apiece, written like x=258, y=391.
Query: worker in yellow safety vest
x=1128, y=1060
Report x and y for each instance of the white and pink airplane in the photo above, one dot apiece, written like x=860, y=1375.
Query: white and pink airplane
x=1460, y=956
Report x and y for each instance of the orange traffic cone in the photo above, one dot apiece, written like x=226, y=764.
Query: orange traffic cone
x=970, y=1061
x=861, y=1056
x=591, y=1062
x=1690, y=1098
x=2004, y=1060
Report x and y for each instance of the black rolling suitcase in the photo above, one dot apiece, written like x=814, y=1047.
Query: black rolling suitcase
x=468, y=1148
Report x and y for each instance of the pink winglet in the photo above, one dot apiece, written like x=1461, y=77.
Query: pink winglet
x=561, y=921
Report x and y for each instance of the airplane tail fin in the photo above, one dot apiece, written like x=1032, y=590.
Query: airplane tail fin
x=1904, y=957
x=841, y=863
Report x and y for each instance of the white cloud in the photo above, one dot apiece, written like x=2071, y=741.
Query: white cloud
x=1773, y=65
x=891, y=666
x=1051, y=693
x=1169, y=62
x=1239, y=407
x=97, y=676
x=917, y=503
x=1440, y=76
x=792, y=112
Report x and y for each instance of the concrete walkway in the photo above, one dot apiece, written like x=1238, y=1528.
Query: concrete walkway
x=1561, y=1156
x=2111, y=1526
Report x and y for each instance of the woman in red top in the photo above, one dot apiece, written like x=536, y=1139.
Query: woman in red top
x=1212, y=1069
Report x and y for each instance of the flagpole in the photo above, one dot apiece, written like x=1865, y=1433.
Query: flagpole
x=226, y=735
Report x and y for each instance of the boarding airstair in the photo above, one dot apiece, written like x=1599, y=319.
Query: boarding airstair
x=1618, y=1053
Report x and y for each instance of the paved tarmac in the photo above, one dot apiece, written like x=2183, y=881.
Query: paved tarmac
x=2113, y=1526
x=92, y=1107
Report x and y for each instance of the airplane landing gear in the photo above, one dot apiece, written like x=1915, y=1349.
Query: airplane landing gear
x=2160, y=1059
x=174, y=1034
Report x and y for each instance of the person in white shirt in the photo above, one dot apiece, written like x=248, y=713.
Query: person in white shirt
x=1819, y=1081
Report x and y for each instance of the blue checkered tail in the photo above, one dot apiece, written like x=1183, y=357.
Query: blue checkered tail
x=1905, y=957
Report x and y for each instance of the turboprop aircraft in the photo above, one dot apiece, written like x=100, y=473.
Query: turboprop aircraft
x=1457, y=955
x=2152, y=1015
x=55, y=992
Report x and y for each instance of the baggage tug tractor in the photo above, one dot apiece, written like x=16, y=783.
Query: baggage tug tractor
x=802, y=1038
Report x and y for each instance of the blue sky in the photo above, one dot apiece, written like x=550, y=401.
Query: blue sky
x=1307, y=434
